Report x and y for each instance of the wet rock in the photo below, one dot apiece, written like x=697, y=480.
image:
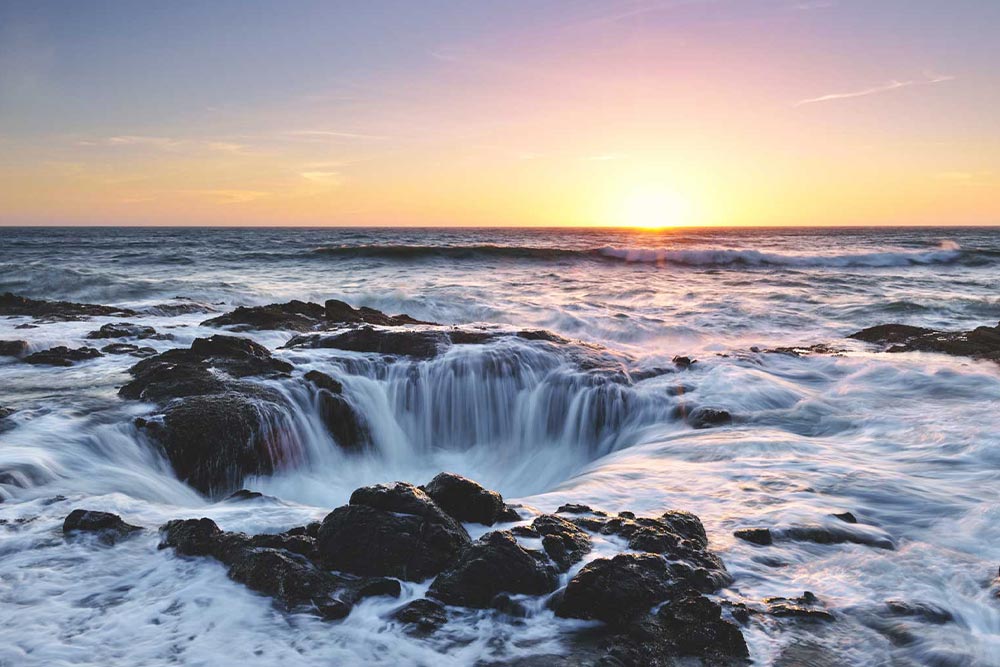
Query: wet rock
x=979, y=343
x=191, y=537
x=6, y=412
x=324, y=381
x=465, y=500
x=302, y=316
x=761, y=536
x=807, y=606
x=62, y=356
x=616, y=590
x=244, y=494
x=417, y=344
x=705, y=417
x=127, y=330
x=121, y=348
x=291, y=316
x=110, y=528
x=684, y=362
x=835, y=535
x=924, y=611
x=846, y=517
x=424, y=615
x=563, y=541
x=13, y=305
x=574, y=508
x=13, y=348
x=694, y=626
x=494, y=564
x=291, y=580
x=393, y=531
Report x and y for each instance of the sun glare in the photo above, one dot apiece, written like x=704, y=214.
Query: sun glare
x=654, y=208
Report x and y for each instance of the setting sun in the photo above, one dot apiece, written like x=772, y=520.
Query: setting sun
x=652, y=207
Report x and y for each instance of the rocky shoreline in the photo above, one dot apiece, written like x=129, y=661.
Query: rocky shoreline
x=652, y=601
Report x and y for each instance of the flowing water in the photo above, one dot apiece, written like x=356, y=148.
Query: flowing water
x=910, y=443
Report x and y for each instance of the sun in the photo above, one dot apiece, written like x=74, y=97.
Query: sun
x=653, y=207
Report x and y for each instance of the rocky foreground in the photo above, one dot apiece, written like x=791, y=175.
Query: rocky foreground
x=651, y=602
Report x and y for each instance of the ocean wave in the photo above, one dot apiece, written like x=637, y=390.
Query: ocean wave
x=744, y=257
x=947, y=253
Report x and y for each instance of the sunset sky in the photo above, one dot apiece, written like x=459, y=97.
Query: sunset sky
x=646, y=112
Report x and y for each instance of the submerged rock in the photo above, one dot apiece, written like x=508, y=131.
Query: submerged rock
x=392, y=530
x=761, y=536
x=979, y=343
x=819, y=534
x=806, y=606
x=62, y=356
x=616, y=590
x=465, y=500
x=303, y=316
x=127, y=330
x=13, y=348
x=13, y=305
x=110, y=528
x=494, y=564
x=424, y=615
x=705, y=417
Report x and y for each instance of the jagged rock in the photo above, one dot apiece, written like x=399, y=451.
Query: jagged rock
x=62, y=356
x=846, y=517
x=684, y=362
x=302, y=316
x=244, y=494
x=494, y=564
x=324, y=381
x=127, y=330
x=341, y=313
x=392, y=531
x=418, y=344
x=424, y=615
x=927, y=612
x=121, y=348
x=616, y=590
x=575, y=508
x=13, y=305
x=806, y=606
x=835, y=535
x=110, y=528
x=13, y=348
x=979, y=343
x=761, y=536
x=705, y=417
x=465, y=500
x=564, y=543
x=344, y=423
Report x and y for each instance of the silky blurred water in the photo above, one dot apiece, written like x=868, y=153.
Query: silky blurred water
x=910, y=443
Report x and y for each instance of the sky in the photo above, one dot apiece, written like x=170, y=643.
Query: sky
x=574, y=112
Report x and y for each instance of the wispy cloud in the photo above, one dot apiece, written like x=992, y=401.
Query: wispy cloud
x=875, y=90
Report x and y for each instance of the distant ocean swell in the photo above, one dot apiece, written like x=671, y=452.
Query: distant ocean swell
x=947, y=253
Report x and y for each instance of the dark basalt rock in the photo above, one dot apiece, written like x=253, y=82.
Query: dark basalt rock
x=324, y=381
x=835, y=535
x=302, y=317
x=127, y=330
x=424, y=615
x=689, y=625
x=110, y=528
x=979, y=343
x=244, y=494
x=575, y=508
x=62, y=356
x=564, y=543
x=684, y=362
x=494, y=564
x=806, y=606
x=927, y=612
x=465, y=500
x=13, y=348
x=705, y=417
x=417, y=344
x=291, y=316
x=13, y=305
x=344, y=423
x=6, y=412
x=846, y=517
x=761, y=536
x=393, y=531
x=616, y=590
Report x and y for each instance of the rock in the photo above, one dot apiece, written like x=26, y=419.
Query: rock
x=121, y=348
x=684, y=362
x=761, y=536
x=465, y=500
x=191, y=537
x=806, y=606
x=13, y=348
x=110, y=528
x=574, y=508
x=290, y=579
x=62, y=356
x=302, y=317
x=927, y=612
x=417, y=344
x=835, y=535
x=6, y=412
x=704, y=417
x=424, y=615
x=291, y=316
x=393, y=531
x=846, y=517
x=564, y=543
x=127, y=330
x=692, y=625
x=13, y=305
x=979, y=343
x=494, y=564
x=616, y=590
x=244, y=494
x=324, y=381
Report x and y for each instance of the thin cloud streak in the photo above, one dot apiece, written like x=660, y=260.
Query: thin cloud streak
x=874, y=90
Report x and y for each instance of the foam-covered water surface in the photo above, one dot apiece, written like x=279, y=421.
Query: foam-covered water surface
x=908, y=443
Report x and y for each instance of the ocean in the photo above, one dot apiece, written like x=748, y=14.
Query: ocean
x=908, y=443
